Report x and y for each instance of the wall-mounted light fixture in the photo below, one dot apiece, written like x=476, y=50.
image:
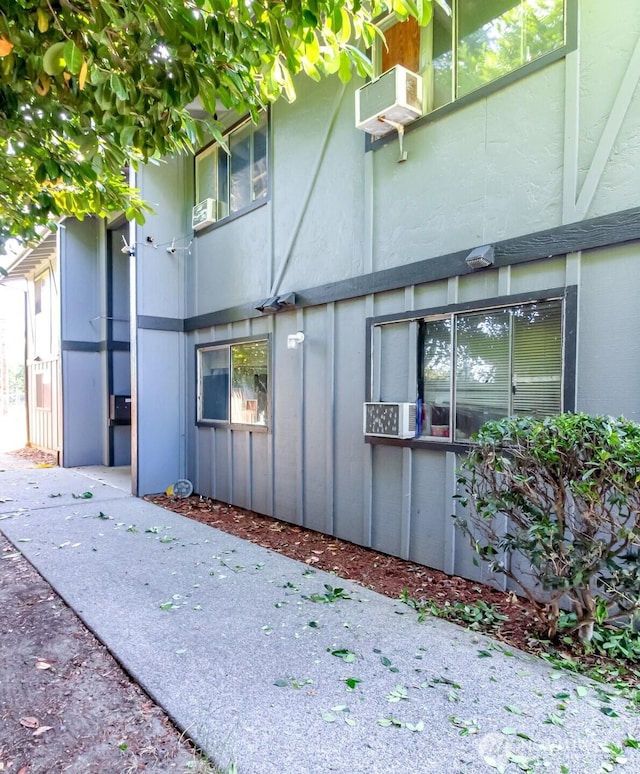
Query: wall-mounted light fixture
x=294, y=340
x=277, y=303
x=126, y=248
x=480, y=257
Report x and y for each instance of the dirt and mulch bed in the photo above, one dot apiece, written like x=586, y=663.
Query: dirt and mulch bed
x=38, y=457
x=65, y=704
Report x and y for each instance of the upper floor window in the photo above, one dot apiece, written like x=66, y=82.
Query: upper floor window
x=233, y=382
x=477, y=366
x=470, y=43
x=236, y=179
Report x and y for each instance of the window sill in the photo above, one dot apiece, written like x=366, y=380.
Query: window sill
x=218, y=424
x=457, y=447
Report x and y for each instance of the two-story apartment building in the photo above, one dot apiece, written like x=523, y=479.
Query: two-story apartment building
x=484, y=260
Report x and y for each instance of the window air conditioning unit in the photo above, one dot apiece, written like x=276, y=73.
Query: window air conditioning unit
x=395, y=96
x=204, y=214
x=390, y=420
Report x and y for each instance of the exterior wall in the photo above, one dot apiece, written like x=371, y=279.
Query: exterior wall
x=157, y=344
x=314, y=468
x=43, y=361
x=549, y=150
x=44, y=421
x=83, y=326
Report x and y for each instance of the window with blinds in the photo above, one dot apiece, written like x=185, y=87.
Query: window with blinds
x=485, y=365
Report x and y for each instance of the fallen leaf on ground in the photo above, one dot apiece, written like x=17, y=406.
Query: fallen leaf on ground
x=24, y=770
x=42, y=663
x=29, y=722
x=41, y=730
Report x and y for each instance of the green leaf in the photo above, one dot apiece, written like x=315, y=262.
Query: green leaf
x=127, y=135
x=53, y=60
x=73, y=57
x=346, y=655
x=118, y=87
x=513, y=709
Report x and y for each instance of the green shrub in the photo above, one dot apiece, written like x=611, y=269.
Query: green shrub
x=568, y=486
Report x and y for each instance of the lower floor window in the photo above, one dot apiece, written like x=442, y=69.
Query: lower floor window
x=233, y=382
x=485, y=365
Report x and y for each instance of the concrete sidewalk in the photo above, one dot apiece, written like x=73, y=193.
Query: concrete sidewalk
x=249, y=652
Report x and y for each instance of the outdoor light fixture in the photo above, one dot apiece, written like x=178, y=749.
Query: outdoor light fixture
x=480, y=257
x=276, y=303
x=294, y=340
x=269, y=305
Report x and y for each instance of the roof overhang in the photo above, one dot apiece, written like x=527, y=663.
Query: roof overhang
x=24, y=263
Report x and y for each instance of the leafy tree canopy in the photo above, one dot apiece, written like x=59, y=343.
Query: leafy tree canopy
x=89, y=87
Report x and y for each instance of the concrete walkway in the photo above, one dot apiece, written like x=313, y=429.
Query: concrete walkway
x=245, y=650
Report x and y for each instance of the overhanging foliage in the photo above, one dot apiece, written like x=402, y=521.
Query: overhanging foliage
x=88, y=87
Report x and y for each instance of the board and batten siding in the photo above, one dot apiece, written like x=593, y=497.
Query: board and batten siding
x=314, y=469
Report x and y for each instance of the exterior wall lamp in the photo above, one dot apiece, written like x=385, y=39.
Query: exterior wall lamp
x=277, y=303
x=480, y=257
x=294, y=340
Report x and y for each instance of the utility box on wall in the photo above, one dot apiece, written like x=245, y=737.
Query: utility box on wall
x=120, y=409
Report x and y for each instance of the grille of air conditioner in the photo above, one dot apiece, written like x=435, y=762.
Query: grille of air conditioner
x=390, y=420
x=205, y=213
